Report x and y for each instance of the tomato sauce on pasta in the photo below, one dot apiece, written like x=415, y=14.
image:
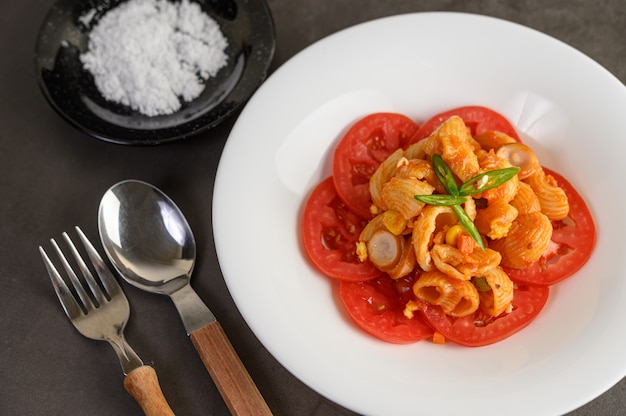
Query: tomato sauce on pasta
x=456, y=231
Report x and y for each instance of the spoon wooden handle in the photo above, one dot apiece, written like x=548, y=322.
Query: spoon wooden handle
x=228, y=372
x=142, y=383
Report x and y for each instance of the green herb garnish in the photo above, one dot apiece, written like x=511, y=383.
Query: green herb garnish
x=458, y=194
x=441, y=199
x=487, y=180
x=445, y=175
x=469, y=225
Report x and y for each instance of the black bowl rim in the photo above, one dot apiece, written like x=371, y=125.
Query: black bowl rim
x=254, y=56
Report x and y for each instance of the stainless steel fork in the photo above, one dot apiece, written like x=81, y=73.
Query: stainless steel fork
x=102, y=314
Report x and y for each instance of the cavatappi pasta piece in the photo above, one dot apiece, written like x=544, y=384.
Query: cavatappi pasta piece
x=385, y=171
x=499, y=298
x=452, y=141
x=456, y=297
x=398, y=195
x=522, y=156
x=493, y=139
x=552, y=198
x=431, y=221
x=449, y=260
x=495, y=220
x=526, y=241
x=525, y=200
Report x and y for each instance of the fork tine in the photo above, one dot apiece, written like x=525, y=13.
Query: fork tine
x=105, y=323
x=91, y=282
x=106, y=277
x=68, y=301
x=78, y=287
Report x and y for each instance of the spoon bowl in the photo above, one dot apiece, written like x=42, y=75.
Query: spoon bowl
x=150, y=244
x=146, y=237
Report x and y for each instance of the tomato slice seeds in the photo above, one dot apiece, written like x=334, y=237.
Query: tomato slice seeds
x=573, y=242
x=330, y=231
x=479, y=329
x=362, y=149
x=377, y=306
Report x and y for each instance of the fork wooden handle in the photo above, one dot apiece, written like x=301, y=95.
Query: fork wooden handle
x=228, y=372
x=142, y=383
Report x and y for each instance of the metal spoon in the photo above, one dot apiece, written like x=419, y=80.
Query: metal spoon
x=151, y=245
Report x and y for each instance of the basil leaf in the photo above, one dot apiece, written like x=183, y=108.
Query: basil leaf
x=469, y=225
x=444, y=174
x=441, y=199
x=487, y=180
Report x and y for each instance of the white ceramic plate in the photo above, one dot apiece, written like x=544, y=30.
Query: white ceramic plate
x=568, y=108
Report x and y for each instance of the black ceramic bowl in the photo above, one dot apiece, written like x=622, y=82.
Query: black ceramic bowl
x=70, y=89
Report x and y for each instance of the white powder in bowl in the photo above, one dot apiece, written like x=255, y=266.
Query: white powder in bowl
x=151, y=54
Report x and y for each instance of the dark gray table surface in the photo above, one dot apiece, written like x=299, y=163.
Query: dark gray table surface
x=52, y=177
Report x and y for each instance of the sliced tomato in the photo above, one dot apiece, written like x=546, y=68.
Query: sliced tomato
x=479, y=329
x=330, y=231
x=573, y=240
x=362, y=149
x=377, y=306
x=478, y=119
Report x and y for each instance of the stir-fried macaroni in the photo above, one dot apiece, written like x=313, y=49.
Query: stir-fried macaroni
x=514, y=220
